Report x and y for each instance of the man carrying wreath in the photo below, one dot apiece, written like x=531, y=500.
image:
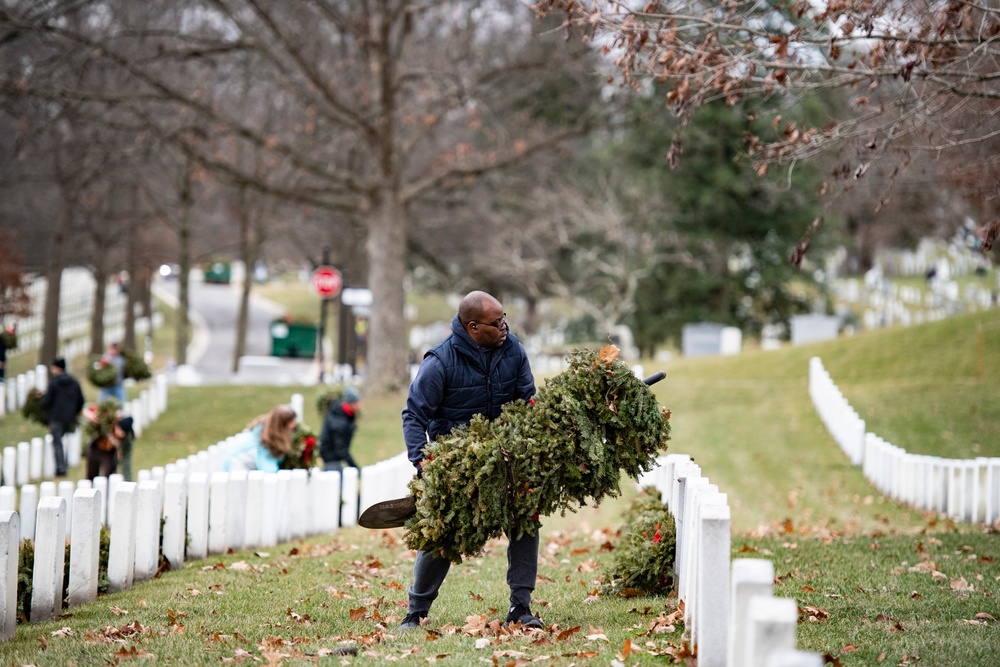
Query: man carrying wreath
x=477, y=369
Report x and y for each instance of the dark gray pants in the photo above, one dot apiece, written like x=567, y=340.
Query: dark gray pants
x=58, y=430
x=522, y=569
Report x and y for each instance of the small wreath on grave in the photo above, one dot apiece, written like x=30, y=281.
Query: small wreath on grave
x=644, y=556
x=302, y=454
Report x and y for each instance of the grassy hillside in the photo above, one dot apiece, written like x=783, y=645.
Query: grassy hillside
x=749, y=422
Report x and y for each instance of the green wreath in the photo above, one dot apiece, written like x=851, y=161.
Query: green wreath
x=644, y=556
x=569, y=447
x=32, y=410
x=101, y=419
x=101, y=375
x=9, y=339
x=135, y=366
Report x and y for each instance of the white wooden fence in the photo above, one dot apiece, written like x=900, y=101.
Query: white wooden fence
x=731, y=617
x=204, y=512
x=966, y=490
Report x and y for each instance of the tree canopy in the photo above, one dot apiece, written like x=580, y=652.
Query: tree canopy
x=920, y=77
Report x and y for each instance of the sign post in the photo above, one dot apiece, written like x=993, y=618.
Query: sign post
x=327, y=283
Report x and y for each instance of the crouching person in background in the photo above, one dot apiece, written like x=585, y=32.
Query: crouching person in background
x=265, y=442
x=106, y=450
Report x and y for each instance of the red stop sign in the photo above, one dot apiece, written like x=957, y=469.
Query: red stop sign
x=327, y=281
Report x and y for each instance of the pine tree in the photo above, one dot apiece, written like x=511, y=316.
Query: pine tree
x=566, y=448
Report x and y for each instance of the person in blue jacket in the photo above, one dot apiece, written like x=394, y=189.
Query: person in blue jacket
x=477, y=369
x=264, y=443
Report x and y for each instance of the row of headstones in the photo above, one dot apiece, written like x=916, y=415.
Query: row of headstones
x=907, y=305
x=201, y=515
x=204, y=512
x=964, y=489
x=31, y=461
x=731, y=617
x=76, y=303
x=14, y=392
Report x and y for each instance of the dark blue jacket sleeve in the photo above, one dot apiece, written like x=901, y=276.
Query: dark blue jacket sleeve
x=426, y=392
x=525, y=380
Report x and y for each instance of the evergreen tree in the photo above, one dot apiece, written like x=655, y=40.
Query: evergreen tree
x=725, y=230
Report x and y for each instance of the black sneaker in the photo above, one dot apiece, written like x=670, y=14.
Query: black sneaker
x=523, y=615
x=412, y=620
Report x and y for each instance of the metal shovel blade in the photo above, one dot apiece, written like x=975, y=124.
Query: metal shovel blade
x=388, y=513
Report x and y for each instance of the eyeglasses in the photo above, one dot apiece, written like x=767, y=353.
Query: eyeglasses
x=502, y=325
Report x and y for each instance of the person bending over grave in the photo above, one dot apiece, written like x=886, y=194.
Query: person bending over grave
x=477, y=369
x=264, y=443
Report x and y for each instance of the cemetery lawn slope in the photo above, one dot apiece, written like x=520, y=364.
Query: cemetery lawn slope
x=749, y=422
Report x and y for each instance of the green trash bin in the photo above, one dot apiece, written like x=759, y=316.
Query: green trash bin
x=293, y=339
x=218, y=273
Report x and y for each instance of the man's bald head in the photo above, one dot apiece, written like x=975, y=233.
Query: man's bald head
x=475, y=304
x=482, y=317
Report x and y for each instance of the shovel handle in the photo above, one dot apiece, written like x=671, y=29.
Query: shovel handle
x=654, y=378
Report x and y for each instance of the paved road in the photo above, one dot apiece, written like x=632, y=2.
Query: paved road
x=214, y=309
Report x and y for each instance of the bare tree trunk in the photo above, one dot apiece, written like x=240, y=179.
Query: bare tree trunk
x=132, y=268
x=385, y=370
x=100, y=297
x=53, y=289
x=184, y=242
x=243, y=317
x=145, y=281
x=248, y=255
x=241, y=323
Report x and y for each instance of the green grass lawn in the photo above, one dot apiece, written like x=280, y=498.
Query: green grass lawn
x=876, y=582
